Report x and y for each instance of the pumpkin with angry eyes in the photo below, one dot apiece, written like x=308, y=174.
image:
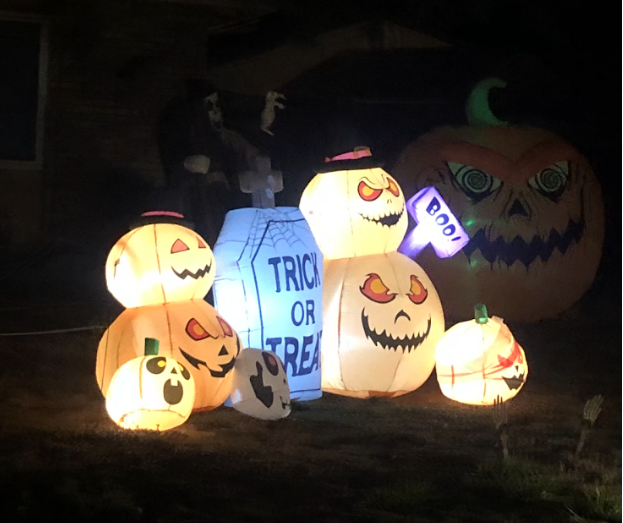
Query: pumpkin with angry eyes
x=190, y=331
x=530, y=204
x=382, y=319
x=159, y=263
x=354, y=208
x=151, y=393
x=479, y=360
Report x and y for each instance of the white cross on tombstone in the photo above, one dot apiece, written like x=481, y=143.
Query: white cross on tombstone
x=262, y=183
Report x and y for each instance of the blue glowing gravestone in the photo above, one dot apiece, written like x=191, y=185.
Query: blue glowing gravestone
x=268, y=281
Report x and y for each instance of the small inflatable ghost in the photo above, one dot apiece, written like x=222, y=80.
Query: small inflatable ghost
x=260, y=385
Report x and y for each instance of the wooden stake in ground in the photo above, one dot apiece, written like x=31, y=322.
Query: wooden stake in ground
x=500, y=418
x=592, y=408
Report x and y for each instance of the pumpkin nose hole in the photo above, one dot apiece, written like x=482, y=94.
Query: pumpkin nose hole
x=517, y=208
x=402, y=314
x=223, y=351
x=174, y=371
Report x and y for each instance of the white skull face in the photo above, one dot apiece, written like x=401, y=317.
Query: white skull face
x=151, y=392
x=382, y=319
x=215, y=112
x=355, y=213
x=260, y=385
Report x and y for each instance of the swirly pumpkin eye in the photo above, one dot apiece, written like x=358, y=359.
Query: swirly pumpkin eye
x=475, y=183
x=551, y=181
x=417, y=292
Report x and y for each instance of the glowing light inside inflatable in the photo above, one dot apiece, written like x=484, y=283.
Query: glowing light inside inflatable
x=151, y=392
x=269, y=286
x=479, y=360
x=435, y=225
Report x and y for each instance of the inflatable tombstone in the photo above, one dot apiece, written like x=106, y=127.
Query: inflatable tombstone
x=269, y=281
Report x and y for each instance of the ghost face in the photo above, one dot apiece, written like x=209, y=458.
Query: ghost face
x=159, y=263
x=151, y=392
x=534, y=215
x=478, y=363
x=382, y=319
x=355, y=213
x=192, y=332
x=260, y=387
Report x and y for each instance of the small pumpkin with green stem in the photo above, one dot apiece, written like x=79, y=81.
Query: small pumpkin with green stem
x=479, y=361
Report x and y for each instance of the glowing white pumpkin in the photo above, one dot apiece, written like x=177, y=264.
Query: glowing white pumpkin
x=159, y=263
x=479, y=360
x=354, y=210
x=151, y=393
x=382, y=320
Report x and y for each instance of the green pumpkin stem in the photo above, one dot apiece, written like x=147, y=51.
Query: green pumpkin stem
x=477, y=108
x=480, y=313
x=151, y=346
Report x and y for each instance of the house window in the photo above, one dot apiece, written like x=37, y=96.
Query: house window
x=23, y=65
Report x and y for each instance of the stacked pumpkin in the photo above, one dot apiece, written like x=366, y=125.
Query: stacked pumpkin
x=382, y=317
x=161, y=271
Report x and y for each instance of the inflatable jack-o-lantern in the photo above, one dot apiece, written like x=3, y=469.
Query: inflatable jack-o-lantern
x=354, y=208
x=159, y=263
x=190, y=331
x=530, y=204
x=151, y=392
x=478, y=361
x=260, y=385
x=382, y=320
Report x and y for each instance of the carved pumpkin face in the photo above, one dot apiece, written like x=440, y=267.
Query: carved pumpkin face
x=159, y=263
x=152, y=393
x=532, y=208
x=355, y=212
x=260, y=387
x=476, y=363
x=192, y=332
x=382, y=319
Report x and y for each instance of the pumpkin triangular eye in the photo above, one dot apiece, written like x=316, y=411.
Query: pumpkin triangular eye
x=201, y=243
x=374, y=289
x=227, y=330
x=179, y=246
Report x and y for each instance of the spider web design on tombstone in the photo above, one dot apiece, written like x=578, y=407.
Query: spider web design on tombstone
x=270, y=233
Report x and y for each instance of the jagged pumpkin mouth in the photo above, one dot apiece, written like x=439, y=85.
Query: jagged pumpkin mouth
x=390, y=342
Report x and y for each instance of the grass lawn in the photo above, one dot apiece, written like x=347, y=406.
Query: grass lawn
x=419, y=457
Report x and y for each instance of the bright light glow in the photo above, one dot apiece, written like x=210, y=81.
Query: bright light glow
x=159, y=263
x=435, y=225
x=382, y=321
x=269, y=287
x=355, y=212
x=477, y=362
x=151, y=393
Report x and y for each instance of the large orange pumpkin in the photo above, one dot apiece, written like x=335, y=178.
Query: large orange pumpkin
x=530, y=203
x=192, y=332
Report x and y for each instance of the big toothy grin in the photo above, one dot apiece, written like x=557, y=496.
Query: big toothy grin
x=520, y=250
x=388, y=220
x=387, y=341
x=194, y=275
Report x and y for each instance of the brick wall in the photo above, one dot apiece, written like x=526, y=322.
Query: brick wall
x=113, y=65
